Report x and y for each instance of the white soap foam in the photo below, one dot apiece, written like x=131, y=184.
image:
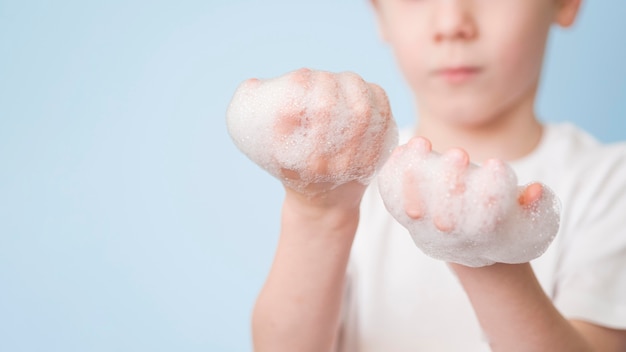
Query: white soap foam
x=487, y=223
x=309, y=127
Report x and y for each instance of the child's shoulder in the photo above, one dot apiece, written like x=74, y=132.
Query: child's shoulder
x=575, y=164
x=582, y=166
x=568, y=143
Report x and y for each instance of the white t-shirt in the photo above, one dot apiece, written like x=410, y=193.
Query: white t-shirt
x=398, y=299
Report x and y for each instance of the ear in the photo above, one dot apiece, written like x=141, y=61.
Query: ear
x=380, y=21
x=566, y=12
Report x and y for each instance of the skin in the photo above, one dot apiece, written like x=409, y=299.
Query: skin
x=456, y=163
x=330, y=91
x=474, y=67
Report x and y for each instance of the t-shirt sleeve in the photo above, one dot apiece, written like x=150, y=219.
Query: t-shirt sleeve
x=591, y=281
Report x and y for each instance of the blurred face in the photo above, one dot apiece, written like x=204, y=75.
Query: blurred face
x=468, y=61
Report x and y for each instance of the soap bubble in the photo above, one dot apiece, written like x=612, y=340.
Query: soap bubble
x=464, y=213
x=313, y=127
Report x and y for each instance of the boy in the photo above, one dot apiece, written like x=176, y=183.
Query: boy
x=474, y=68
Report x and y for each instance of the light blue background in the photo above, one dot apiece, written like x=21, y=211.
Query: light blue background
x=128, y=220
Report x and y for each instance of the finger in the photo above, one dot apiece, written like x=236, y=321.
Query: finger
x=357, y=146
x=323, y=102
x=444, y=223
x=421, y=145
x=292, y=115
x=302, y=77
x=530, y=195
x=454, y=167
x=455, y=163
x=413, y=204
x=288, y=122
x=289, y=175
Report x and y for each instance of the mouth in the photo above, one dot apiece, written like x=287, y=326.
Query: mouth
x=457, y=74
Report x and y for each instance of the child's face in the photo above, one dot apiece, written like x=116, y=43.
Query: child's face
x=469, y=61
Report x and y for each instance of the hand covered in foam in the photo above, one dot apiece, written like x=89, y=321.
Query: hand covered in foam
x=462, y=213
x=313, y=130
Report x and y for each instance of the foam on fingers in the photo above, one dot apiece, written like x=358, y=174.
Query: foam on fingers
x=464, y=213
x=310, y=128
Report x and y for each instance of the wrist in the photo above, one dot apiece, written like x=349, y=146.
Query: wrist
x=495, y=269
x=497, y=276
x=324, y=211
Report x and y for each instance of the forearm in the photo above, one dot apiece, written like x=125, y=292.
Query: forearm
x=298, y=309
x=514, y=312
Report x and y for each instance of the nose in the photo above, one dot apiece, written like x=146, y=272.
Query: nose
x=453, y=20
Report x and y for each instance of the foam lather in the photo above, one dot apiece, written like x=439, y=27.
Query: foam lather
x=460, y=212
x=313, y=127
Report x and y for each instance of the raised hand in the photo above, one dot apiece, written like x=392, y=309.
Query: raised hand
x=324, y=136
x=313, y=130
x=463, y=213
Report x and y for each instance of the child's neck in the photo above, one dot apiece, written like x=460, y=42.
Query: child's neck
x=510, y=136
